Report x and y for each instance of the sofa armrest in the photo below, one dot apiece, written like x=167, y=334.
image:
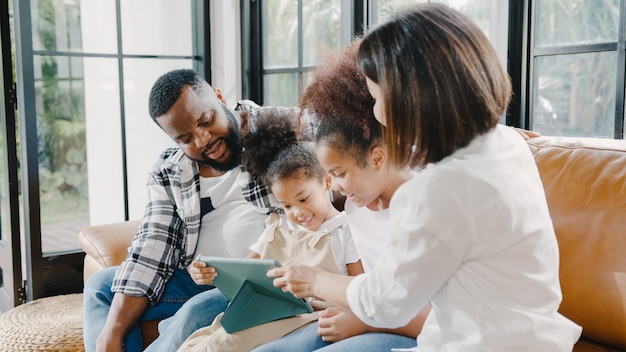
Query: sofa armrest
x=106, y=245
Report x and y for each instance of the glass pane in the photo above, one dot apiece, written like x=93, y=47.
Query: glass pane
x=56, y=25
x=74, y=26
x=62, y=150
x=98, y=26
x=144, y=139
x=575, y=95
x=5, y=215
x=385, y=8
x=280, y=34
x=157, y=27
x=570, y=22
x=321, y=29
x=104, y=140
x=281, y=89
x=478, y=10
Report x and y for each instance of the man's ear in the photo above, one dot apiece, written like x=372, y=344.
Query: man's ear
x=220, y=97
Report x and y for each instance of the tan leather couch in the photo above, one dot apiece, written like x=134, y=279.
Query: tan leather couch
x=585, y=183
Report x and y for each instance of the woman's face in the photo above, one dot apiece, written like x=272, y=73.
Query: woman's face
x=361, y=185
x=374, y=89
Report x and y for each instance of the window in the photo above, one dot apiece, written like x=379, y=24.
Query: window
x=84, y=70
x=577, y=68
x=284, y=39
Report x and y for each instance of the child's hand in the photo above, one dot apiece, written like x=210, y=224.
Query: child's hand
x=201, y=273
x=336, y=324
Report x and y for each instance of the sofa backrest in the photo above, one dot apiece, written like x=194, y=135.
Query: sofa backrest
x=585, y=184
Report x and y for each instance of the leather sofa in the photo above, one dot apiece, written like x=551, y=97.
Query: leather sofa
x=585, y=183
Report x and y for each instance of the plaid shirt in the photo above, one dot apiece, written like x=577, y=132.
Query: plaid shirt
x=168, y=234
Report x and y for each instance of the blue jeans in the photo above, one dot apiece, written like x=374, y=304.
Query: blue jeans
x=307, y=339
x=180, y=288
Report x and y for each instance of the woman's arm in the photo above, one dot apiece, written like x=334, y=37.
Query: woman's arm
x=305, y=281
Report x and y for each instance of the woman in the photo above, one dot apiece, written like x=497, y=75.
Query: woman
x=472, y=232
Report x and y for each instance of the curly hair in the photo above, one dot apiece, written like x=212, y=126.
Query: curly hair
x=339, y=99
x=273, y=152
x=169, y=87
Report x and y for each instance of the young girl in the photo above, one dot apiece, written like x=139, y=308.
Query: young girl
x=311, y=231
x=349, y=146
x=472, y=232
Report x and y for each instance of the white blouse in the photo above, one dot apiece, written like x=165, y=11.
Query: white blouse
x=471, y=234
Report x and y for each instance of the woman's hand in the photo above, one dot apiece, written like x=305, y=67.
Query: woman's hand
x=201, y=273
x=297, y=279
x=336, y=324
x=526, y=134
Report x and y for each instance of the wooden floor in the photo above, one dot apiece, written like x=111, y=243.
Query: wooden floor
x=61, y=237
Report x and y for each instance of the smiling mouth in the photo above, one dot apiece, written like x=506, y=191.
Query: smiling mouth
x=215, y=150
x=307, y=220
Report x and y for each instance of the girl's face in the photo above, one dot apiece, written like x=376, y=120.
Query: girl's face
x=379, y=105
x=361, y=185
x=305, y=201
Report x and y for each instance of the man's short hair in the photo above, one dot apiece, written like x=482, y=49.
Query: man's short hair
x=168, y=88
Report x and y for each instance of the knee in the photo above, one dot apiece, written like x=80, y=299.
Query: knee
x=100, y=283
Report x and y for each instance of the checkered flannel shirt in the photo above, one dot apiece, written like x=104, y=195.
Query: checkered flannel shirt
x=169, y=232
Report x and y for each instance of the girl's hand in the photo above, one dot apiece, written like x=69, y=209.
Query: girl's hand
x=201, y=273
x=336, y=324
x=297, y=279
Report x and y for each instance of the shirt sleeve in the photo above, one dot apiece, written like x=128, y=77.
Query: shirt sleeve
x=423, y=253
x=351, y=255
x=152, y=257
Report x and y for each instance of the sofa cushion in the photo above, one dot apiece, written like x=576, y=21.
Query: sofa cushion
x=585, y=184
x=106, y=245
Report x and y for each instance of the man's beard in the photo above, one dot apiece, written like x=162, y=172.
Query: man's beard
x=233, y=144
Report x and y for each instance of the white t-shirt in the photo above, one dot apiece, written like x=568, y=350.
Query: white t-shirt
x=343, y=249
x=230, y=223
x=370, y=230
x=473, y=235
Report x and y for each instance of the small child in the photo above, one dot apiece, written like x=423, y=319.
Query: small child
x=311, y=231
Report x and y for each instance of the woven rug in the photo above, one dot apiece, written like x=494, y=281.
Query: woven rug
x=46, y=324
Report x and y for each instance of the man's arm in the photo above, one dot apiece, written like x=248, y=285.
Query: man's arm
x=124, y=313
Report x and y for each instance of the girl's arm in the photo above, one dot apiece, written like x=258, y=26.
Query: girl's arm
x=355, y=268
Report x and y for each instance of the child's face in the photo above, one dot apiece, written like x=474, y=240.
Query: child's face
x=305, y=201
x=361, y=185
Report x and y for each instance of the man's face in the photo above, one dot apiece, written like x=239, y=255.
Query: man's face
x=205, y=129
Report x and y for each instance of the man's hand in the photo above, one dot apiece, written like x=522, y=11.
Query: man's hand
x=124, y=313
x=336, y=324
x=201, y=273
x=108, y=341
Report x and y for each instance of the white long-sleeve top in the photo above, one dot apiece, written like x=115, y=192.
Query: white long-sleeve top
x=472, y=234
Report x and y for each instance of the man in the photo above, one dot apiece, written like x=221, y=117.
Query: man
x=200, y=202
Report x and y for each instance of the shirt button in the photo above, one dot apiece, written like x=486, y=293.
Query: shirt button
x=324, y=230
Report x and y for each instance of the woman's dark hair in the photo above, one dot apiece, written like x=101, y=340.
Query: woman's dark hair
x=273, y=151
x=441, y=82
x=339, y=99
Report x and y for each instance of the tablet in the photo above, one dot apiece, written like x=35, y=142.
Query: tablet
x=253, y=298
